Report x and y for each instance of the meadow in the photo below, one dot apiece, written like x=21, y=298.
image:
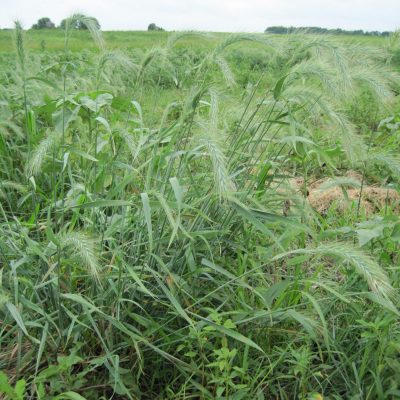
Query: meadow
x=53, y=40
x=198, y=216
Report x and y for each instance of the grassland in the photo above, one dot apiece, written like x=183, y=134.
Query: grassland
x=81, y=40
x=197, y=216
x=53, y=40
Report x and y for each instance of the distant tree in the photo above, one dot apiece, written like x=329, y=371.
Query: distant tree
x=373, y=33
x=318, y=30
x=62, y=24
x=44, y=23
x=79, y=24
x=276, y=29
x=154, y=27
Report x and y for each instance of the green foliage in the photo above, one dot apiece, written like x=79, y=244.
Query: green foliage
x=44, y=23
x=154, y=27
x=13, y=393
x=318, y=30
x=80, y=22
x=151, y=244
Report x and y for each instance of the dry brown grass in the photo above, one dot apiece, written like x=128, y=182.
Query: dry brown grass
x=373, y=198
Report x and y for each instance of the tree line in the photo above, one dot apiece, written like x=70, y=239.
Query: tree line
x=47, y=23
x=319, y=30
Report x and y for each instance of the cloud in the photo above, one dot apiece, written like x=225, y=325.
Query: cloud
x=221, y=15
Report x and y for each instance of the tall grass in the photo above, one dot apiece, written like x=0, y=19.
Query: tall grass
x=146, y=246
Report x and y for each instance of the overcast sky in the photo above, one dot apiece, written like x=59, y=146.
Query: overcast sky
x=212, y=15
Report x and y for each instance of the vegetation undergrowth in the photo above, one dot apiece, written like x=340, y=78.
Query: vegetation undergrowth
x=151, y=243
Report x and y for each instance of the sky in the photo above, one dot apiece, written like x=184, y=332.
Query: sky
x=211, y=15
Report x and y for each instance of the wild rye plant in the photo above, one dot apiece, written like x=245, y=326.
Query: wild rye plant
x=153, y=260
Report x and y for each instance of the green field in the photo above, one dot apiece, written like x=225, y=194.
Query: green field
x=53, y=40
x=199, y=216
